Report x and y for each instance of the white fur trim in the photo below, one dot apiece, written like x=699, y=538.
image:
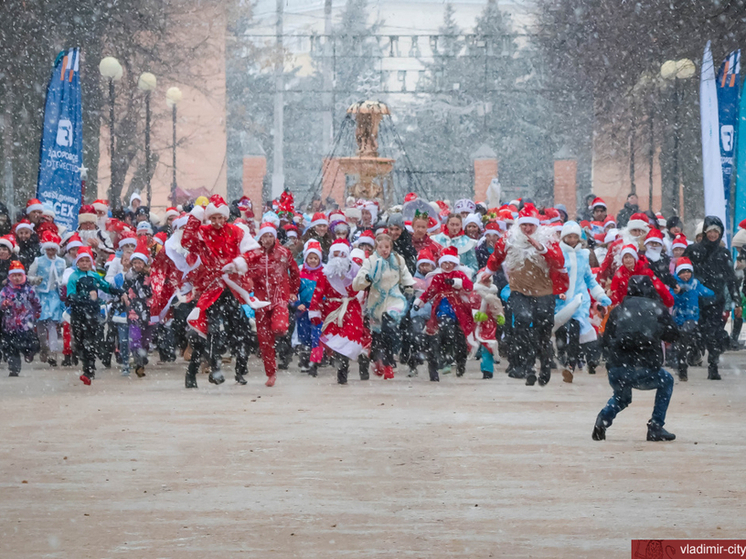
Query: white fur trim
x=682, y=267
x=194, y=315
x=253, y=302
x=45, y=246
x=7, y=244
x=598, y=293
x=458, y=283
x=308, y=251
x=101, y=207
x=342, y=345
x=446, y=258
x=265, y=230
x=314, y=314
x=198, y=212
x=212, y=209
x=241, y=265
x=126, y=241
x=140, y=256
x=319, y=222
x=567, y=311
x=87, y=218
x=29, y=226
x=638, y=224
x=426, y=261
x=34, y=207
x=627, y=250
x=527, y=220
x=16, y=272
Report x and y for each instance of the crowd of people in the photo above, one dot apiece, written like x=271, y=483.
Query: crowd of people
x=420, y=284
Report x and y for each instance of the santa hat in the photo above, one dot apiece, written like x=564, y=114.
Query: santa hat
x=528, y=215
x=409, y=197
x=433, y=225
x=569, y=228
x=465, y=205
x=128, y=238
x=366, y=237
x=171, y=212
x=144, y=228
x=629, y=249
x=353, y=213
x=74, y=241
x=611, y=236
x=142, y=251
x=319, y=219
x=87, y=214
x=179, y=222
x=609, y=221
x=291, y=230
x=312, y=247
x=9, y=242
x=160, y=238
x=50, y=240
x=16, y=268
x=109, y=261
x=34, y=205
x=340, y=245
x=598, y=203
x=244, y=204
x=475, y=219
x=551, y=216
x=357, y=255
x=679, y=242
x=742, y=225
x=506, y=216
x=101, y=205
x=217, y=206
x=265, y=228
x=492, y=228
x=336, y=217
x=654, y=236
x=661, y=220
x=638, y=221
x=408, y=226
x=84, y=252
x=24, y=224
x=450, y=254
x=682, y=264
x=426, y=256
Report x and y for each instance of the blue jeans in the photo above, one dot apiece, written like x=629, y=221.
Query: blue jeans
x=624, y=379
x=124, y=346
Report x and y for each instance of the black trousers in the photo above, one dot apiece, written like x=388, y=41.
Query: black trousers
x=17, y=343
x=386, y=343
x=449, y=341
x=533, y=319
x=569, y=346
x=712, y=329
x=87, y=332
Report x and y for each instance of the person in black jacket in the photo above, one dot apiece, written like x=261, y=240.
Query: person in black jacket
x=633, y=337
x=713, y=267
x=630, y=207
x=402, y=241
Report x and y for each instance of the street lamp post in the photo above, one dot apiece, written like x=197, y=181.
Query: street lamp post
x=173, y=96
x=676, y=70
x=147, y=83
x=110, y=69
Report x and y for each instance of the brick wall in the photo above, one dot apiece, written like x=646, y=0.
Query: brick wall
x=254, y=169
x=565, y=185
x=484, y=171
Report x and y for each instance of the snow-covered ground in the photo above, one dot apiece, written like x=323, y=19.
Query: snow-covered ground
x=403, y=468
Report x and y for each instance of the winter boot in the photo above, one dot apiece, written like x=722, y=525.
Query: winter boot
x=378, y=368
x=567, y=375
x=190, y=381
x=15, y=374
x=683, y=374
x=240, y=379
x=313, y=370
x=531, y=378
x=486, y=375
x=363, y=365
x=544, y=377
x=658, y=433
x=85, y=379
x=591, y=369
x=599, y=429
x=140, y=371
x=216, y=377
x=388, y=372
x=460, y=369
x=712, y=373
x=342, y=371
x=67, y=360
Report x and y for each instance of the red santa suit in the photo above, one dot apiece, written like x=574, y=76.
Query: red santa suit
x=339, y=307
x=276, y=277
x=222, y=265
x=620, y=281
x=613, y=259
x=457, y=296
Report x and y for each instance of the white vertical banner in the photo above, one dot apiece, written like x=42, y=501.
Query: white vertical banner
x=711, y=166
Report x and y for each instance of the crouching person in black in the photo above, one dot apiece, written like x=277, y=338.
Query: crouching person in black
x=633, y=337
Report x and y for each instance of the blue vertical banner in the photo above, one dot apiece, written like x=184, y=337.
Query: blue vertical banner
x=62, y=141
x=740, y=209
x=727, y=90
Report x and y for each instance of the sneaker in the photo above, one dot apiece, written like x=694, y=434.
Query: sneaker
x=658, y=433
x=125, y=373
x=12, y=374
x=599, y=429
x=567, y=375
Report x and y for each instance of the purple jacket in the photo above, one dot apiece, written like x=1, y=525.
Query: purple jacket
x=20, y=307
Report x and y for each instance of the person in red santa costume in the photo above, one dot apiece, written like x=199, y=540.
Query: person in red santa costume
x=633, y=234
x=276, y=280
x=535, y=267
x=219, y=281
x=337, y=306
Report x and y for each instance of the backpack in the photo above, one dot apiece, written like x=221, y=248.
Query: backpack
x=637, y=325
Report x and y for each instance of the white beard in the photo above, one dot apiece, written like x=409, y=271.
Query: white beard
x=653, y=254
x=338, y=266
x=520, y=250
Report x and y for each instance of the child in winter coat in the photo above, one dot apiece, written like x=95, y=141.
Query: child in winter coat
x=82, y=295
x=489, y=320
x=686, y=314
x=635, y=265
x=21, y=309
x=574, y=332
x=307, y=334
x=451, y=325
x=46, y=275
x=414, y=343
x=137, y=287
x=119, y=316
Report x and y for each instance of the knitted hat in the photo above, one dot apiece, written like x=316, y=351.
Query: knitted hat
x=569, y=228
x=425, y=256
x=101, y=205
x=16, y=268
x=312, y=247
x=141, y=252
x=217, y=206
x=128, y=238
x=450, y=254
x=87, y=214
x=654, y=236
x=365, y=238
x=464, y=205
x=638, y=221
x=682, y=264
x=84, y=252
x=598, y=203
x=679, y=242
x=340, y=245
x=396, y=220
x=265, y=228
x=319, y=219
x=50, y=240
x=34, y=205
x=528, y=215
x=629, y=249
x=135, y=196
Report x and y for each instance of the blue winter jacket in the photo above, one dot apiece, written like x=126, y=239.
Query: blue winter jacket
x=686, y=303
